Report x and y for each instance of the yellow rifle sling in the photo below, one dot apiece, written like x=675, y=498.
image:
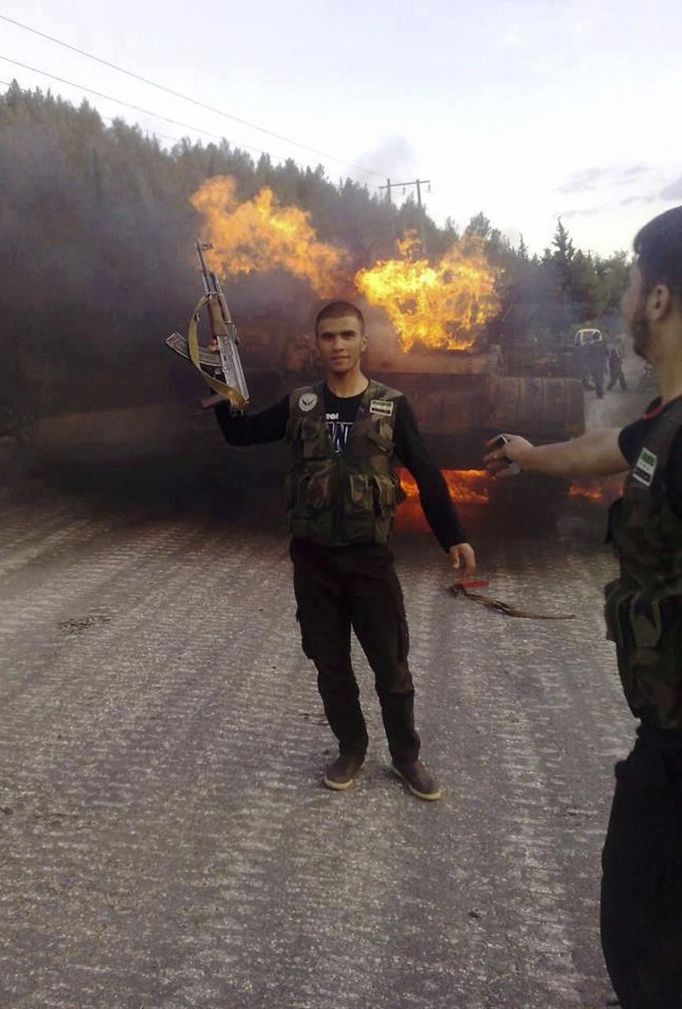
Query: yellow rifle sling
x=233, y=395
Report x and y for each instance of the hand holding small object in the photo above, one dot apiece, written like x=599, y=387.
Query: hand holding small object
x=506, y=455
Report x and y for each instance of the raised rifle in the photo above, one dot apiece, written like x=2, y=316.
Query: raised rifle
x=219, y=363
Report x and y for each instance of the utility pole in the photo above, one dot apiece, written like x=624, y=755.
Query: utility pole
x=417, y=183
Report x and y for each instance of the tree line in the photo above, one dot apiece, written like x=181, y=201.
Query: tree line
x=97, y=231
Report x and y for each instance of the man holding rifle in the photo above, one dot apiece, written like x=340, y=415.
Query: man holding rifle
x=641, y=915
x=346, y=434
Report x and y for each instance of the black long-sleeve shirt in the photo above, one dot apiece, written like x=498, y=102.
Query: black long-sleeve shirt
x=270, y=425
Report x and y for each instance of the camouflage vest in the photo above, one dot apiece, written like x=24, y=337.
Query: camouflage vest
x=644, y=605
x=350, y=497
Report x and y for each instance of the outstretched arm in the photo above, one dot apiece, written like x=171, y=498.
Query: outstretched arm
x=434, y=495
x=595, y=453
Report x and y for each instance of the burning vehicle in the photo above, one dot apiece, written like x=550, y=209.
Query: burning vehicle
x=427, y=322
x=428, y=326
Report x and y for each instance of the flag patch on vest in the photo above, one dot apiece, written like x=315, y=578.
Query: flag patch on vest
x=308, y=401
x=382, y=406
x=645, y=467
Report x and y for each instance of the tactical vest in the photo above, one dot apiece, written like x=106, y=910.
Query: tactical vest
x=335, y=498
x=644, y=605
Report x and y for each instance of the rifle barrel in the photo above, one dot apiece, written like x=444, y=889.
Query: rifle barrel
x=205, y=276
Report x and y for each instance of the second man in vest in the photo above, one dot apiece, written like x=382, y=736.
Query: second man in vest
x=641, y=907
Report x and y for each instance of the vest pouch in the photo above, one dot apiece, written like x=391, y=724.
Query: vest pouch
x=648, y=637
x=311, y=515
x=657, y=663
x=612, y=604
x=381, y=437
x=360, y=491
x=313, y=437
x=646, y=620
x=358, y=519
x=385, y=494
x=319, y=491
x=308, y=492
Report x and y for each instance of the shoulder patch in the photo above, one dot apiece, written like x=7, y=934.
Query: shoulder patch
x=384, y=407
x=308, y=401
x=645, y=467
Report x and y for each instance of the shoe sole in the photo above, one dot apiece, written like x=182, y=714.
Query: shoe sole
x=340, y=786
x=427, y=796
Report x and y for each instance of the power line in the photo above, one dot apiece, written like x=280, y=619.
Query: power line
x=187, y=98
x=119, y=101
x=417, y=183
x=110, y=119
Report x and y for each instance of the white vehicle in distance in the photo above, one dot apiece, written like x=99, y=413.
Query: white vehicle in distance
x=585, y=336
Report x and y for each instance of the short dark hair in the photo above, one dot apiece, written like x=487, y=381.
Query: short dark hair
x=658, y=247
x=337, y=310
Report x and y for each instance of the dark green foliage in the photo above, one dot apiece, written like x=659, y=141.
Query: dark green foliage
x=545, y=299
x=97, y=254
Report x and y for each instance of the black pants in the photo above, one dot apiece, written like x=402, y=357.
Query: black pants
x=356, y=586
x=641, y=899
x=597, y=376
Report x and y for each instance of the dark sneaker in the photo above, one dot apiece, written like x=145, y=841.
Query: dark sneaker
x=342, y=772
x=418, y=779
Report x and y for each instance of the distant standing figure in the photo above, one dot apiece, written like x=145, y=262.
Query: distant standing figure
x=616, y=354
x=596, y=356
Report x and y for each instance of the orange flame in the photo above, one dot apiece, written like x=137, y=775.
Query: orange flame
x=602, y=490
x=472, y=487
x=467, y=487
x=443, y=306
x=260, y=235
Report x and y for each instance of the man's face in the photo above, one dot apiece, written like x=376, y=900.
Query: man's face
x=633, y=307
x=340, y=342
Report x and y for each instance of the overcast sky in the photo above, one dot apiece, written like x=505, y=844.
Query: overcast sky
x=524, y=110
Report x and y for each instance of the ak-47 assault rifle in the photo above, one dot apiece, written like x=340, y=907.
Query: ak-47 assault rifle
x=219, y=363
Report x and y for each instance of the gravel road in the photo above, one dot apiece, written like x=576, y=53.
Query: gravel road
x=167, y=843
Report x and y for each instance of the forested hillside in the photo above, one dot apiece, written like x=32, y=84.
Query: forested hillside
x=97, y=232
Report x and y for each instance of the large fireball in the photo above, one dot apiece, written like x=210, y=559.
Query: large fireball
x=260, y=235
x=445, y=305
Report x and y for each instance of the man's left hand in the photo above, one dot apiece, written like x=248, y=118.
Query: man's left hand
x=463, y=559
